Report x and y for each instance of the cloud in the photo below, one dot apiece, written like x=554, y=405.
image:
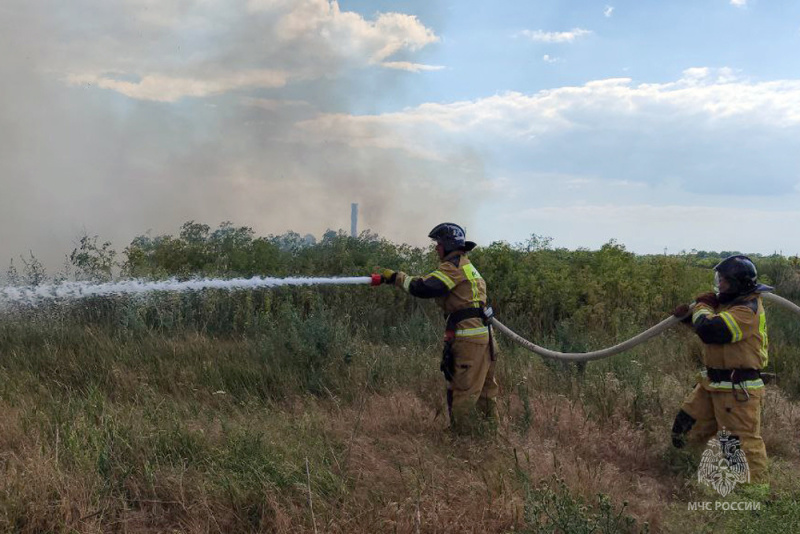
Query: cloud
x=549, y=59
x=607, y=11
x=555, y=37
x=739, y=3
x=346, y=31
x=706, y=97
x=707, y=132
x=578, y=182
x=411, y=67
x=274, y=104
x=202, y=48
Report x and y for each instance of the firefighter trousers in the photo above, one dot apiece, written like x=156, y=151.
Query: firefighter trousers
x=472, y=394
x=715, y=409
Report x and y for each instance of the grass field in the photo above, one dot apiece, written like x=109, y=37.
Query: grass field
x=323, y=411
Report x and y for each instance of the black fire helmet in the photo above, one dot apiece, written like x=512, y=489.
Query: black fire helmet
x=452, y=237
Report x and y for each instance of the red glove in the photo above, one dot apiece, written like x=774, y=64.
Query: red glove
x=709, y=299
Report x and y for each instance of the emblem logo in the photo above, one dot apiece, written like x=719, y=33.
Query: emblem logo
x=723, y=464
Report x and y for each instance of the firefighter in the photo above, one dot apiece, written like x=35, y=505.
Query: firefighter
x=730, y=392
x=470, y=352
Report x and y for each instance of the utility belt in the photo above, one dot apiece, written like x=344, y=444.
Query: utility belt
x=732, y=375
x=448, y=364
x=740, y=381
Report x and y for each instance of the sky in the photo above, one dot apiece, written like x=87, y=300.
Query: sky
x=665, y=125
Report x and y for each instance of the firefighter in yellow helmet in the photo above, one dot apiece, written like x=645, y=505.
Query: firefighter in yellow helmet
x=730, y=392
x=470, y=352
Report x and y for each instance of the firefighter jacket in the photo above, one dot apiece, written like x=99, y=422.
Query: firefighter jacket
x=735, y=336
x=456, y=285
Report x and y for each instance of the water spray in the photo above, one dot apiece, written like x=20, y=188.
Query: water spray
x=35, y=295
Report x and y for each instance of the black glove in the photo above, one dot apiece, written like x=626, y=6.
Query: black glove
x=682, y=425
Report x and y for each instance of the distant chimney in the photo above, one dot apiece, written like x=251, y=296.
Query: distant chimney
x=353, y=220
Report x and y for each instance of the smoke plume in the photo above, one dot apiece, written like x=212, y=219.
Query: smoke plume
x=118, y=118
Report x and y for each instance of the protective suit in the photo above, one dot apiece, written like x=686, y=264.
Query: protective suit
x=730, y=391
x=470, y=352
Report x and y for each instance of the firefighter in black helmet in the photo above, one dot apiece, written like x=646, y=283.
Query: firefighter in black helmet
x=469, y=355
x=729, y=395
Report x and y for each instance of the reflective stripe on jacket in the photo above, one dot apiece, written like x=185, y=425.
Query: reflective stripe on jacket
x=735, y=334
x=456, y=284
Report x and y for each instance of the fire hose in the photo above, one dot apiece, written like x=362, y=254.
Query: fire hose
x=638, y=339
x=650, y=333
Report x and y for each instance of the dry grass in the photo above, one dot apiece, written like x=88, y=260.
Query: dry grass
x=194, y=433
x=400, y=470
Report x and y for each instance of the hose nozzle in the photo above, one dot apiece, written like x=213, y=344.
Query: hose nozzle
x=376, y=280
